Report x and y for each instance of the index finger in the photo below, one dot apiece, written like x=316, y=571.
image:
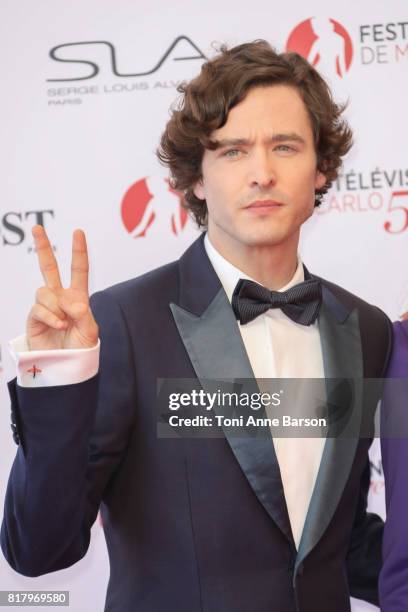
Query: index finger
x=80, y=264
x=46, y=258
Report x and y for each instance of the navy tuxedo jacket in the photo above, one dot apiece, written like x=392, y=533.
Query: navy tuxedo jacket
x=192, y=525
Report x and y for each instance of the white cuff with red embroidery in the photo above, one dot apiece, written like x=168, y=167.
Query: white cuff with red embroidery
x=53, y=367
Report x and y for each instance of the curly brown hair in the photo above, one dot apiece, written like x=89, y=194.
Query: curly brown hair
x=223, y=82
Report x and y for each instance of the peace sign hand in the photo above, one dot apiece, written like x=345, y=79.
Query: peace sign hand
x=61, y=318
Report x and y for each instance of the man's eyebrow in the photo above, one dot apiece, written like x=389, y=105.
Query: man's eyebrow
x=234, y=142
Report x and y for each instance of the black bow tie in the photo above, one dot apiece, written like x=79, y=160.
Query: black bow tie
x=301, y=303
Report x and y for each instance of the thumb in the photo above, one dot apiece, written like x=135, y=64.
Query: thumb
x=82, y=317
x=75, y=310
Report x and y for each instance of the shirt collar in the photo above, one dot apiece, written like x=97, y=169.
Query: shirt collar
x=229, y=275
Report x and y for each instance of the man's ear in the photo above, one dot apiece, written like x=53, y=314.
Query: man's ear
x=198, y=190
x=320, y=180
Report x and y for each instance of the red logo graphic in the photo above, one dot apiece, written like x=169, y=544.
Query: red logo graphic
x=325, y=43
x=151, y=200
x=34, y=370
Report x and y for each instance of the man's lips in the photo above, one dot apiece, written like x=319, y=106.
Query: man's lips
x=264, y=204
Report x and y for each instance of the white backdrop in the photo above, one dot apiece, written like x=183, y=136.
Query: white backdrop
x=77, y=150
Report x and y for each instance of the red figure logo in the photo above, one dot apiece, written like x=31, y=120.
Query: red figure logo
x=325, y=43
x=150, y=201
x=34, y=370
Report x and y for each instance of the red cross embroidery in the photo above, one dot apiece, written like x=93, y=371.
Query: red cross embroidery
x=34, y=370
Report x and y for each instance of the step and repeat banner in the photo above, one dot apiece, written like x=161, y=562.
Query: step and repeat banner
x=86, y=91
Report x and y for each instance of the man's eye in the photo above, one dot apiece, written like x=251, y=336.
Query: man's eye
x=284, y=147
x=231, y=153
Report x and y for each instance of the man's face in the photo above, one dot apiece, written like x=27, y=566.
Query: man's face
x=260, y=183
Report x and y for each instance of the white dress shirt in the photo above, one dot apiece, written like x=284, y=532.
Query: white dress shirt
x=277, y=347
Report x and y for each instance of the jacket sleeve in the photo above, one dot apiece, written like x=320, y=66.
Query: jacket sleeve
x=364, y=557
x=364, y=553
x=72, y=439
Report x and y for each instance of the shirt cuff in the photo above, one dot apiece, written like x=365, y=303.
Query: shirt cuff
x=53, y=367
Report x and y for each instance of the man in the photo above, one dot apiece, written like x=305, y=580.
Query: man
x=221, y=525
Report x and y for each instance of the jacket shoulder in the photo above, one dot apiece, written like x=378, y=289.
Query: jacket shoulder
x=351, y=300
x=375, y=326
x=156, y=285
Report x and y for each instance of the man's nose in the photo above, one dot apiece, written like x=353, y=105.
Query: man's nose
x=262, y=171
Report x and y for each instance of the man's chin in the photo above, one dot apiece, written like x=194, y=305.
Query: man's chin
x=265, y=240
x=252, y=236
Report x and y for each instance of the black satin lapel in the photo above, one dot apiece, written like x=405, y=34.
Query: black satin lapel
x=216, y=350
x=342, y=357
